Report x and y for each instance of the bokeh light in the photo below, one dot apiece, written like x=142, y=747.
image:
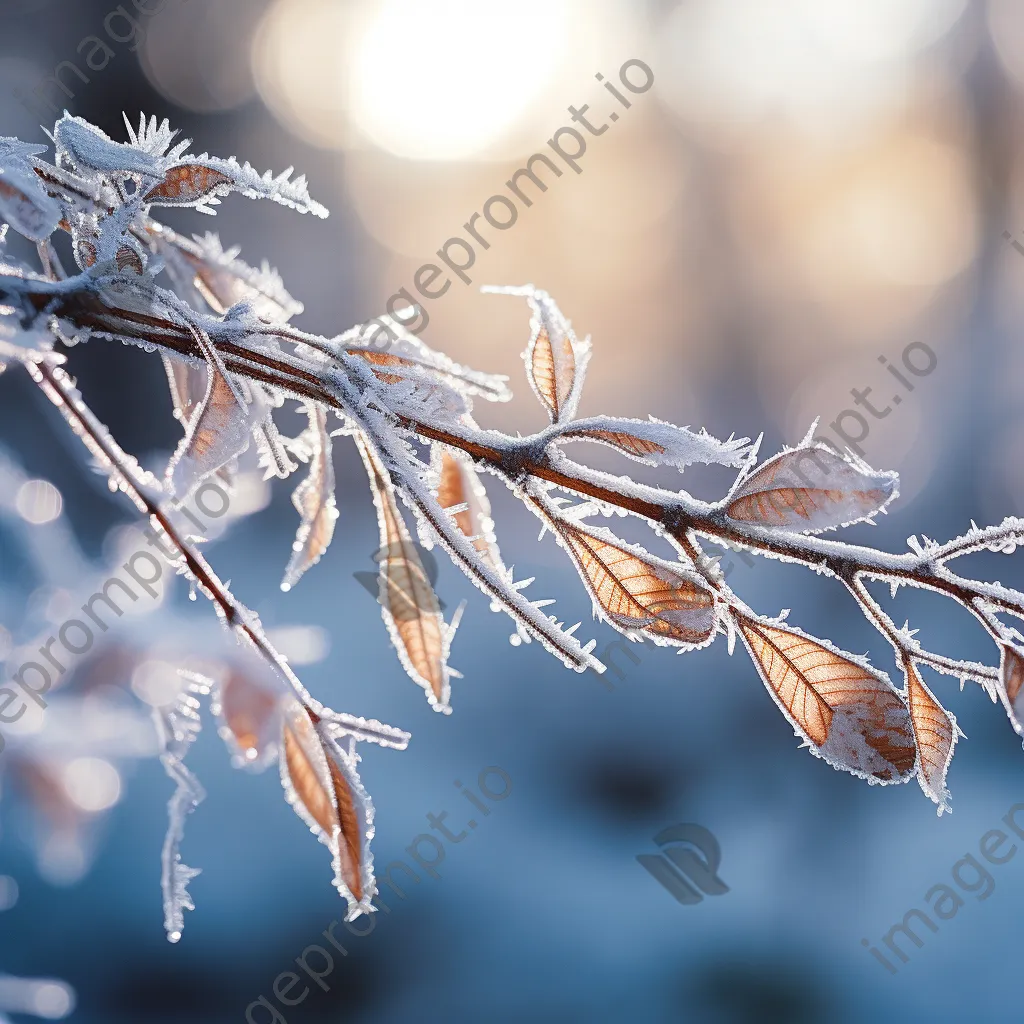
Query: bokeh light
x=199, y=60
x=443, y=80
x=38, y=502
x=92, y=783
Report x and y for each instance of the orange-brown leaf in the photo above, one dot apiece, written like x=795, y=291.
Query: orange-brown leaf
x=556, y=360
x=314, y=500
x=936, y=734
x=127, y=258
x=850, y=714
x=326, y=793
x=552, y=370
x=460, y=484
x=638, y=447
x=250, y=713
x=810, y=489
x=639, y=592
x=1011, y=683
x=186, y=184
x=410, y=607
x=376, y=359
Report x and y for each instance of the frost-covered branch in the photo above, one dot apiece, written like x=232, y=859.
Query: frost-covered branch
x=233, y=358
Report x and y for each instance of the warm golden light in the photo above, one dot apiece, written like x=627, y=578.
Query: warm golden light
x=443, y=80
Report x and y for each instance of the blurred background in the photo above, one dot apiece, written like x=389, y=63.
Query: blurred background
x=807, y=187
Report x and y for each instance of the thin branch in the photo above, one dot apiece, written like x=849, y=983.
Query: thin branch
x=144, y=491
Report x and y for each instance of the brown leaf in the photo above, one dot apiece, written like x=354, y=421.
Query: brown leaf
x=187, y=383
x=314, y=500
x=936, y=734
x=218, y=432
x=810, y=489
x=1011, y=681
x=556, y=360
x=552, y=366
x=376, y=359
x=221, y=278
x=127, y=258
x=250, y=713
x=322, y=785
x=410, y=607
x=850, y=714
x=637, y=591
x=86, y=252
x=638, y=447
x=460, y=484
x=186, y=184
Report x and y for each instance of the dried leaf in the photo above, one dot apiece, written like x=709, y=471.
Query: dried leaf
x=850, y=714
x=638, y=592
x=218, y=432
x=249, y=708
x=127, y=258
x=314, y=500
x=222, y=279
x=85, y=252
x=197, y=180
x=322, y=785
x=408, y=603
x=386, y=336
x=26, y=206
x=556, y=360
x=187, y=383
x=460, y=484
x=656, y=443
x=810, y=489
x=387, y=359
x=936, y=733
x=1011, y=682
x=188, y=184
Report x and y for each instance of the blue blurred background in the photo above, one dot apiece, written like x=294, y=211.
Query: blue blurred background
x=807, y=187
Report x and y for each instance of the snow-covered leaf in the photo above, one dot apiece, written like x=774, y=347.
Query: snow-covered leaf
x=217, y=433
x=408, y=603
x=25, y=205
x=656, y=443
x=86, y=148
x=410, y=350
x=314, y=500
x=460, y=484
x=556, y=360
x=1010, y=685
x=849, y=714
x=197, y=181
x=935, y=731
x=637, y=592
x=810, y=489
x=223, y=280
x=187, y=185
x=322, y=785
